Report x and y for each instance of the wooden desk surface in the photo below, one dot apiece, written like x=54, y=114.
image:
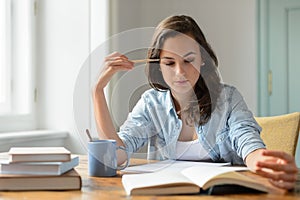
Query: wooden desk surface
x=112, y=189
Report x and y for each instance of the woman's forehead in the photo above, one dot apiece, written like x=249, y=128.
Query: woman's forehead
x=180, y=45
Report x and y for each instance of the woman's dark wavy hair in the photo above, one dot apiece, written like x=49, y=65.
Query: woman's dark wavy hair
x=208, y=87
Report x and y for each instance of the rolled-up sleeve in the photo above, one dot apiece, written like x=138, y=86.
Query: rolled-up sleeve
x=244, y=130
x=136, y=129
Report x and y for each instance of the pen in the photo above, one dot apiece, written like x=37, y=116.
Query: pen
x=145, y=60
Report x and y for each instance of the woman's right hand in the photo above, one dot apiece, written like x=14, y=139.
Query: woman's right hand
x=112, y=63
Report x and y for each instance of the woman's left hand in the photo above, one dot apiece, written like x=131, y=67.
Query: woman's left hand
x=278, y=166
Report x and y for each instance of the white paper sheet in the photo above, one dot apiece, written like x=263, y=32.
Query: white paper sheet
x=170, y=164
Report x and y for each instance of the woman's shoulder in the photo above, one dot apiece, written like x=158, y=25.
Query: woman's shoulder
x=230, y=90
x=155, y=95
x=229, y=95
x=159, y=100
x=150, y=91
x=228, y=87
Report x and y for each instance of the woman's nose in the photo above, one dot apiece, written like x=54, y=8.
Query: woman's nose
x=179, y=69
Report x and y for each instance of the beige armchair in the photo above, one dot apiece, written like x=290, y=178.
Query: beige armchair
x=280, y=132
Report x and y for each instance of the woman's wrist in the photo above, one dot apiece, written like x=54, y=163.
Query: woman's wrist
x=252, y=158
x=98, y=91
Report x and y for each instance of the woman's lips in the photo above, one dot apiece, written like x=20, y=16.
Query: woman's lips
x=181, y=82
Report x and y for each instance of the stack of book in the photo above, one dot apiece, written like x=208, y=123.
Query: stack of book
x=39, y=168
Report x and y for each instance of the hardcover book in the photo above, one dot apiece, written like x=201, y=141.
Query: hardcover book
x=39, y=168
x=67, y=181
x=38, y=154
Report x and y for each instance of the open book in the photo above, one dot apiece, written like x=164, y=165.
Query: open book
x=194, y=180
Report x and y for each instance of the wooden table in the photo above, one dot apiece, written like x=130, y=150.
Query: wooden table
x=111, y=188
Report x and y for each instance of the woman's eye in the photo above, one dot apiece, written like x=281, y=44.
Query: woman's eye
x=169, y=63
x=189, y=60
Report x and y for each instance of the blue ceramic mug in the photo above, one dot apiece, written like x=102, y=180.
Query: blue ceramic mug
x=102, y=158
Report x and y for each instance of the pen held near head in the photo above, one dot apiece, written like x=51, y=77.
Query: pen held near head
x=145, y=60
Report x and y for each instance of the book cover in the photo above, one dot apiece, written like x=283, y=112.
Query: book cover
x=39, y=168
x=194, y=180
x=38, y=154
x=67, y=181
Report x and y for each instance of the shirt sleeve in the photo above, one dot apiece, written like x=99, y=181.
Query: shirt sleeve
x=136, y=129
x=244, y=130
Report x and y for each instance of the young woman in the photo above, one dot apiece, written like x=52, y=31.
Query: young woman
x=189, y=114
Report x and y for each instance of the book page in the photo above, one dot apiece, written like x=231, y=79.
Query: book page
x=201, y=174
x=161, y=178
x=172, y=165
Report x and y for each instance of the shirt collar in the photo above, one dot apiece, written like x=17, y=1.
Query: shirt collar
x=169, y=102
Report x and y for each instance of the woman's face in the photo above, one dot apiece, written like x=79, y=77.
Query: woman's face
x=180, y=63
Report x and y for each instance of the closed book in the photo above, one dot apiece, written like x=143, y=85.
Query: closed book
x=38, y=154
x=39, y=168
x=67, y=181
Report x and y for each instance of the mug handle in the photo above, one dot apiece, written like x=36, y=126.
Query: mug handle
x=127, y=161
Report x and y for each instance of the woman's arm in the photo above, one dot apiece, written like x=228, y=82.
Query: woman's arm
x=113, y=63
x=278, y=166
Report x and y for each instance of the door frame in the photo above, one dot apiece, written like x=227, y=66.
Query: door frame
x=262, y=57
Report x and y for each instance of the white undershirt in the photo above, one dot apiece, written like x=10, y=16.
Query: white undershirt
x=191, y=150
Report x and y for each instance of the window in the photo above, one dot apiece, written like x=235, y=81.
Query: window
x=5, y=106
x=16, y=65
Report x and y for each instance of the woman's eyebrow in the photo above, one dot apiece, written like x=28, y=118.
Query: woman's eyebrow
x=171, y=58
x=189, y=53
x=166, y=57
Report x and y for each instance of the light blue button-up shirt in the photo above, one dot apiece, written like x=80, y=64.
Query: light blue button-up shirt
x=230, y=134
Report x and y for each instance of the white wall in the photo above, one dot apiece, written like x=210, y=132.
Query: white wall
x=62, y=47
